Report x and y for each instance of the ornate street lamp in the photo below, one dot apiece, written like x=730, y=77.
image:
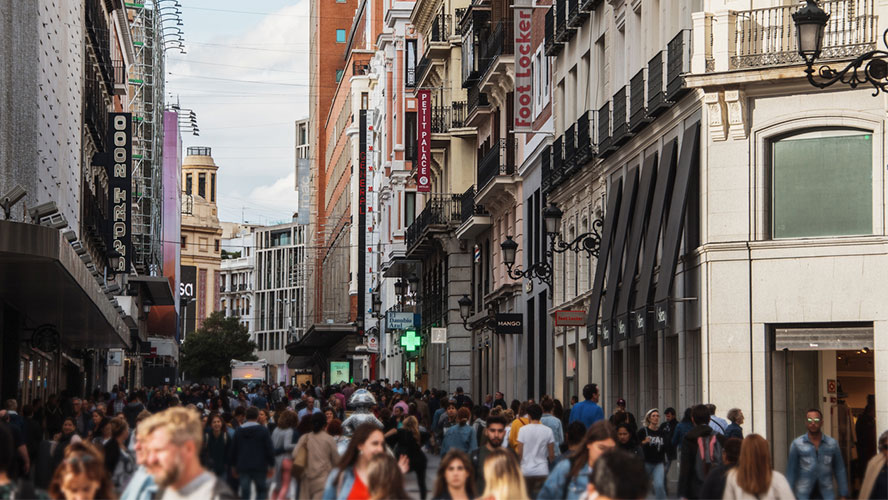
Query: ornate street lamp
x=810, y=23
x=400, y=288
x=376, y=304
x=114, y=261
x=465, y=309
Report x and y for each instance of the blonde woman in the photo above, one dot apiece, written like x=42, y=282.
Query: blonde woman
x=502, y=477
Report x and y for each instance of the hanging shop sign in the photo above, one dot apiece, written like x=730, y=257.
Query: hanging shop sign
x=570, y=318
x=523, y=70
x=120, y=185
x=362, y=218
x=509, y=323
x=373, y=343
x=401, y=320
x=439, y=336
x=424, y=137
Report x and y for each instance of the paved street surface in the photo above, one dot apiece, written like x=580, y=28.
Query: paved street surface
x=431, y=470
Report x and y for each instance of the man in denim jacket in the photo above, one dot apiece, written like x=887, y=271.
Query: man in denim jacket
x=814, y=458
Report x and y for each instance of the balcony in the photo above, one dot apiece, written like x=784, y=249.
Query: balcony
x=95, y=109
x=563, y=33
x=678, y=64
x=447, y=118
x=638, y=118
x=437, y=37
x=761, y=39
x=605, y=143
x=552, y=46
x=120, y=78
x=473, y=28
x=656, y=89
x=570, y=138
x=619, y=120
x=585, y=147
x=94, y=219
x=442, y=213
x=575, y=15
x=546, y=169
x=557, y=172
x=422, y=67
x=497, y=162
x=499, y=43
x=475, y=219
x=477, y=106
x=362, y=68
x=100, y=40
x=590, y=5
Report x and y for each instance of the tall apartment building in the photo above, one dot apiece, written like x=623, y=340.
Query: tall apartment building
x=201, y=239
x=279, y=297
x=238, y=268
x=66, y=197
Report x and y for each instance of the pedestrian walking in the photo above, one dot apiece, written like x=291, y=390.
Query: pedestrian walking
x=668, y=427
x=409, y=442
x=216, y=447
x=621, y=415
x=460, y=436
x=10, y=489
x=536, y=449
x=733, y=430
x=681, y=429
x=349, y=479
x=814, y=460
x=322, y=456
x=172, y=443
x=875, y=479
x=718, y=424
x=119, y=463
x=588, y=412
x=626, y=440
x=455, y=479
x=569, y=478
x=617, y=475
x=701, y=451
x=385, y=480
x=141, y=486
x=653, y=448
x=63, y=439
x=283, y=440
x=520, y=420
x=753, y=477
x=81, y=475
x=714, y=486
x=495, y=436
x=252, y=456
x=552, y=421
x=502, y=477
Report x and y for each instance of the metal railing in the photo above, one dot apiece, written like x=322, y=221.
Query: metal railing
x=458, y=111
x=95, y=112
x=439, y=31
x=440, y=119
x=499, y=42
x=619, y=120
x=476, y=99
x=422, y=67
x=100, y=38
x=553, y=46
x=637, y=108
x=468, y=208
x=766, y=37
x=678, y=63
x=499, y=160
x=440, y=209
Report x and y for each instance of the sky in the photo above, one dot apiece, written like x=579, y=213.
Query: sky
x=245, y=74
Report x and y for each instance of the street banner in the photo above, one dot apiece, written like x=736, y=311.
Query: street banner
x=523, y=70
x=362, y=219
x=424, y=136
x=303, y=186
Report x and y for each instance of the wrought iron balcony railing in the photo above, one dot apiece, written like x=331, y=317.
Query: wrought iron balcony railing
x=552, y=46
x=637, y=106
x=476, y=100
x=468, y=207
x=440, y=210
x=620, y=123
x=498, y=160
x=678, y=63
x=440, y=29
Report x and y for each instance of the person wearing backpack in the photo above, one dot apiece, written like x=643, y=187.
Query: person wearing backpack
x=701, y=451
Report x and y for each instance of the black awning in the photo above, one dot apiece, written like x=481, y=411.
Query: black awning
x=43, y=278
x=321, y=337
x=157, y=289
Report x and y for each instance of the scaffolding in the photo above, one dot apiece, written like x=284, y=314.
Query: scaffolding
x=147, y=83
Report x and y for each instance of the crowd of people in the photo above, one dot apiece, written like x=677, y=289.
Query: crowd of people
x=362, y=441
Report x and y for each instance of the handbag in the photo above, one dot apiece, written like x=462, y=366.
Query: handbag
x=300, y=461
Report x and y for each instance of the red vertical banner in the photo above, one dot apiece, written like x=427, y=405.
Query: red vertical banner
x=523, y=71
x=424, y=136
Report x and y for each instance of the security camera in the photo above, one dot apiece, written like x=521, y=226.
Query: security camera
x=43, y=210
x=12, y=197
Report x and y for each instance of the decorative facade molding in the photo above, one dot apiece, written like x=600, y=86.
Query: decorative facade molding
x=715, y=108
x=735, y=100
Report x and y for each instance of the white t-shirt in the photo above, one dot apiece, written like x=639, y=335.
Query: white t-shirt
x=535, y=440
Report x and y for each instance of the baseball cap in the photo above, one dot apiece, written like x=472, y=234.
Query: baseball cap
x=621, y=402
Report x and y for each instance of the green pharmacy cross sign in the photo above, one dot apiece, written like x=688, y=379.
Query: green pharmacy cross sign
x=410, y=341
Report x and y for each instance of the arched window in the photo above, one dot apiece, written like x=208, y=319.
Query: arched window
x=822, y=184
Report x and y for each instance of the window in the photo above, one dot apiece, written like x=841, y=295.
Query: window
x=410, y=63
x=339, y=73
x=213, y=187
x=216, y=245
x=540, y=81
x=409, y=208
x=411, y=149
x=202, y=185
x=822, y=184
x=340, y=36
x=184, y=241
x=188, y=184
x=365, y=100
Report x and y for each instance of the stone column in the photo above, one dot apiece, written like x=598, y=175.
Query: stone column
x=459, y=340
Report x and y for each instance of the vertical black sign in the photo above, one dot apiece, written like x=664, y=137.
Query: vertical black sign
x=188, y=297
x=120, y=186
x=362, y=219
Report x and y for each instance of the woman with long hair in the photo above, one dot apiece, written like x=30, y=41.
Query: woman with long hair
x=322, y=454
x=385, y=480
x=334, y=429
x=570, y=477
x=216, y=446
x=119, y=462
x=456, y=477
x=409, y=442
x=81, y=475
x=653, y=449
x=753, y=478
x=349, y=479
x=460, y=436
x=63, y=439
x=101, y=433
x=502, y=477
x=283, y=440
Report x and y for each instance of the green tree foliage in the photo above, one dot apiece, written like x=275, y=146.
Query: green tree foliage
x=209, y=350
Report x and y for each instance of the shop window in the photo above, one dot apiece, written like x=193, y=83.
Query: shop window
x=821, y=184
x=340, y=36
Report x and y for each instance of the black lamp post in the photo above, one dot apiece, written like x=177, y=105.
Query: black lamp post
x=465, y=309
x=542, y=271
x=376, y=304
x=810, y=23
x=400, y=288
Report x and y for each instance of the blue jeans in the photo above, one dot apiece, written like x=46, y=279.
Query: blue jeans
x=247, y=477
x=657, y=473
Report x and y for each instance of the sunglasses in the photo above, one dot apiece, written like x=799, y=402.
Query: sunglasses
x=813, y=420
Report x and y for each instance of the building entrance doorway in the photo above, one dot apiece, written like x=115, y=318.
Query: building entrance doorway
x=841, y=383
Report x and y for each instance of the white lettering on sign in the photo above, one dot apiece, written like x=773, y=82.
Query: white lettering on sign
x=523, y=71
x=424, y=136
x=120, y=186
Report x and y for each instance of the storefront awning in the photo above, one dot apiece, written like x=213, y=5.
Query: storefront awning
x=823, y=338
x=43, y=277
x=157, y=288
x=322, y=337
